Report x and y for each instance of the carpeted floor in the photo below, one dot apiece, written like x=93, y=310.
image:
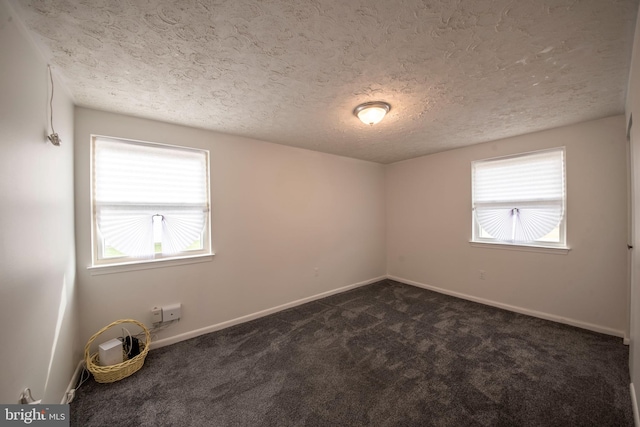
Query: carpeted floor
x=386, y=354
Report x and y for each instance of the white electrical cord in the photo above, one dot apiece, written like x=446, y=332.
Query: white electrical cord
x=53, y=137
x=155, y=330
x=72, y=393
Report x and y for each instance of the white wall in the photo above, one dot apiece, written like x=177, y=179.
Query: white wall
x=429, y=229
x=40, y=346
x=633, y=109
x=278, y=213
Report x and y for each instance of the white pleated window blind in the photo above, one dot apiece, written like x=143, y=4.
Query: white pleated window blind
x=149, y=200
x=520, y=199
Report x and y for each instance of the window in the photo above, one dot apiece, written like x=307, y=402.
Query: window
x=150, y=201
x=520, y=200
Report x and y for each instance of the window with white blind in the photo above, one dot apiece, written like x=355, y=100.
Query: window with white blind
x=150, y=201
x=520, y=200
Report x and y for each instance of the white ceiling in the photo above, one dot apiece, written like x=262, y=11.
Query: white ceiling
x=456, y=72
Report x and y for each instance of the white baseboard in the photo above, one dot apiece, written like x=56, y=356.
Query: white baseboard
x=521, y=310
x=634, y=405
x=212, y=328
x=73, y=382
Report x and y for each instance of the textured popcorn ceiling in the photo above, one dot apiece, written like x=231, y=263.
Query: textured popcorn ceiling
x=291, y=71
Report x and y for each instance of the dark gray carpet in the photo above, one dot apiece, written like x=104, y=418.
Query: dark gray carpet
x=387, y=354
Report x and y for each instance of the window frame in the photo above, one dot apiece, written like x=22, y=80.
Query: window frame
x=128, y=263
x=538, y=245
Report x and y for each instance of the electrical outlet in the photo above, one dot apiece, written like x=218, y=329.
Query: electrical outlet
x=316, y=272
x=481, y=275
x=156, y=315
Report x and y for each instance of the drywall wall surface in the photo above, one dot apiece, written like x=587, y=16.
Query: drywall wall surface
x=633, y=109
x=278, y=213
x=40, y=347
x=429, y=229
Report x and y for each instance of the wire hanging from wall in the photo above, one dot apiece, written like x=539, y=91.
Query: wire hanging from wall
x=53, y=137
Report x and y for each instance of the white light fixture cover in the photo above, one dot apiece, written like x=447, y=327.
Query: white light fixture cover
x=371, y=113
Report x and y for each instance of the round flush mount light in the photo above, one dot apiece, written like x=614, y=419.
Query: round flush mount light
x=371, y=113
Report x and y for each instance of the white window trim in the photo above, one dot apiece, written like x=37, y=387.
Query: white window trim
x=557, y=250
x=545, y=247
x=115, y=265
x=96, y=270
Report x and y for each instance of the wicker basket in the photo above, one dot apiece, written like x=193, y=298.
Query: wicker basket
x=113, y=373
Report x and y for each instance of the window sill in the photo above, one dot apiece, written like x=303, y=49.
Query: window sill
x=523, y=248
x=96, y=270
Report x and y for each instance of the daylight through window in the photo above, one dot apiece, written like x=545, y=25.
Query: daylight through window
x=150, y=201
x=520, y=199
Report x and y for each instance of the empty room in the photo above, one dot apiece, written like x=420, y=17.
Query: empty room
x=320, y=213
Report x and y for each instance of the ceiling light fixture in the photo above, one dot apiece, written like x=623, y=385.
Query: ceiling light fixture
x=371, y=113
